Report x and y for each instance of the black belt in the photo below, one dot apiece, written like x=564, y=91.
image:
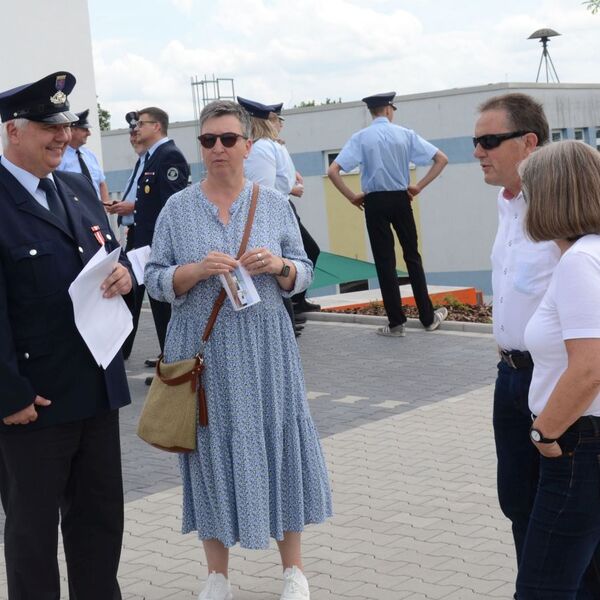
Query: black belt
x=517, y=359
x=586, y=424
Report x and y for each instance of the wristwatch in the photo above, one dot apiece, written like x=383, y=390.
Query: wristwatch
x=535, y=435
x=285, y=270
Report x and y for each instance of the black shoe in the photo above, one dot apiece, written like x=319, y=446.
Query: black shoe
x=148, y=380
x=306, y=306
x=299, y=327
x=299, y=318
x=297, y=333
x=151, y=362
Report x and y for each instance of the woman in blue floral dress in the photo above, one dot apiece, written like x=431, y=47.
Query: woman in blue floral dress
x=258, y=471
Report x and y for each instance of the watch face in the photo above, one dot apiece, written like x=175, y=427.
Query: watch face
x=535, y=435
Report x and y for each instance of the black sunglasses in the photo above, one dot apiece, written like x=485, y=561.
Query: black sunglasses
x=493, y=140
x=229, y=139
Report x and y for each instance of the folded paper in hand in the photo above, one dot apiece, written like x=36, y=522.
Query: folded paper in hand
x=138, y=259
x=104, y=323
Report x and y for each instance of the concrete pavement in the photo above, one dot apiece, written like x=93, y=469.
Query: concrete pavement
x=406, y=430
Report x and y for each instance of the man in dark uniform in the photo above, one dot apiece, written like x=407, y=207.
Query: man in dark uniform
x=59, y=428
x=384, y=152
x=164, y=172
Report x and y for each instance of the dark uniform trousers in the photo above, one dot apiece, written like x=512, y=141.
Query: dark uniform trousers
x=383, y=209
x=74, y=470
x=310, y=247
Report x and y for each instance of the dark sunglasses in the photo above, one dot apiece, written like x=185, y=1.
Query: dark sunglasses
x=229, y=140
x=493, y=140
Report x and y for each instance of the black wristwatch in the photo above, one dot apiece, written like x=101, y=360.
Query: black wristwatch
x=285, y=270
x=535, y=435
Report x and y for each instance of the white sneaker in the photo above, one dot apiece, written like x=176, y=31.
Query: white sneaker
x=439, y=315
x=397, y=331
x=217, y=587
x=295, y=585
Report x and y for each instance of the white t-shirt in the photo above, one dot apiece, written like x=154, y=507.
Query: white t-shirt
x=569, y=310
x=521, y=272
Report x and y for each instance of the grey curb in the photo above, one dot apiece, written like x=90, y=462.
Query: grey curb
x=412, y=323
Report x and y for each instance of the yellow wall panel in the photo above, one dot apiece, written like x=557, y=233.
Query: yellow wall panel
x=346, y=224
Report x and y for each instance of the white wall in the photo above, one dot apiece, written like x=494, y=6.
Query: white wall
x=39, y=37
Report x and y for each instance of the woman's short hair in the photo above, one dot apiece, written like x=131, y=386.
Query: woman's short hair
x=263, y=128
x=561, y=184
x=222, y=108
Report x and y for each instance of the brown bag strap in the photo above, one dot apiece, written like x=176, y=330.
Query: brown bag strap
x=222, y=294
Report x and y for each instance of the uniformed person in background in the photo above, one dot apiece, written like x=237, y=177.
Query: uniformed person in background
x=79, y=159
x=164, y=171
x=59, y=423
x=125, y=218
x=384, y=152
x=300, y=303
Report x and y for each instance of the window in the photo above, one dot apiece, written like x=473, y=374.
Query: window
x=330, y=156
x=579, y=135
x=597, y=138
x=557, y=135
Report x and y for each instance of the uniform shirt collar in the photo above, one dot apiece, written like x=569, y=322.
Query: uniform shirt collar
x=154, y=146
x=28, y=180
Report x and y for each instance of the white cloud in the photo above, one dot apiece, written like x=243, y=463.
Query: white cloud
x=314, y=49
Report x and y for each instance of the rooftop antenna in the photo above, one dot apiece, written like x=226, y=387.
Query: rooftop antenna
x=544, y=36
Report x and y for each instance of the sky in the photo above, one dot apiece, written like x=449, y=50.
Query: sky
x=146, y=53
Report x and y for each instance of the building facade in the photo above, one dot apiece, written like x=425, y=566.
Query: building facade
x=455, y=215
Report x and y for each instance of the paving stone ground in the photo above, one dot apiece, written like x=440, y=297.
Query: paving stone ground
x=406, y=429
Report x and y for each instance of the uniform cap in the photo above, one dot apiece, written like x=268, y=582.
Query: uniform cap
x=255, y=109
x=377, y=100
x=276, y=108
x=83, y=119
x=44, y=101
x=132, y=118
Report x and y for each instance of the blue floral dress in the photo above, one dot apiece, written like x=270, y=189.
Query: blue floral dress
x=258, y=469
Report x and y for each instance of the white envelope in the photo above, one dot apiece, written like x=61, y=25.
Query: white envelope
x=104, y=323
x=138, y=259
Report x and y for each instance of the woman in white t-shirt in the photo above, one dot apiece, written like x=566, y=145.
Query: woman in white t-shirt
x=561, y=183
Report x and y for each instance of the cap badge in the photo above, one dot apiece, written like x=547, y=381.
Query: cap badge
x=60, y=97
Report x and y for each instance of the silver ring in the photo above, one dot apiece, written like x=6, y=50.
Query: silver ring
x=263, y=262
x=258, y=256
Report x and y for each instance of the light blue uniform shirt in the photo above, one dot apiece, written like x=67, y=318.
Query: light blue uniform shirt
x=70, y=162
x=384, y=152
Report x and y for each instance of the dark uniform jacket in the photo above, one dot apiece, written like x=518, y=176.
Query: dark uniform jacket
x=41, y=351
x=165, y=173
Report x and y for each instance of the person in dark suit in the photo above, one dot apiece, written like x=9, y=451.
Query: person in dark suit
x=164, y=172
x=59, y=429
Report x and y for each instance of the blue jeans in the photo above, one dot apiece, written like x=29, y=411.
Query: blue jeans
x=518, y=459
x=560, y=559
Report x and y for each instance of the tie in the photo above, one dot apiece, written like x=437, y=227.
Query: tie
x=133, y=177
x=55, y=204
x=84, y=167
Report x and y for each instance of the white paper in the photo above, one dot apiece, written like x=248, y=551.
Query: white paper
x=138, y=259
x=240, y=288
x=104, y=323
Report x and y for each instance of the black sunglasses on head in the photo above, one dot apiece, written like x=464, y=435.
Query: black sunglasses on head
x=229, y=139
x=493, y=140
